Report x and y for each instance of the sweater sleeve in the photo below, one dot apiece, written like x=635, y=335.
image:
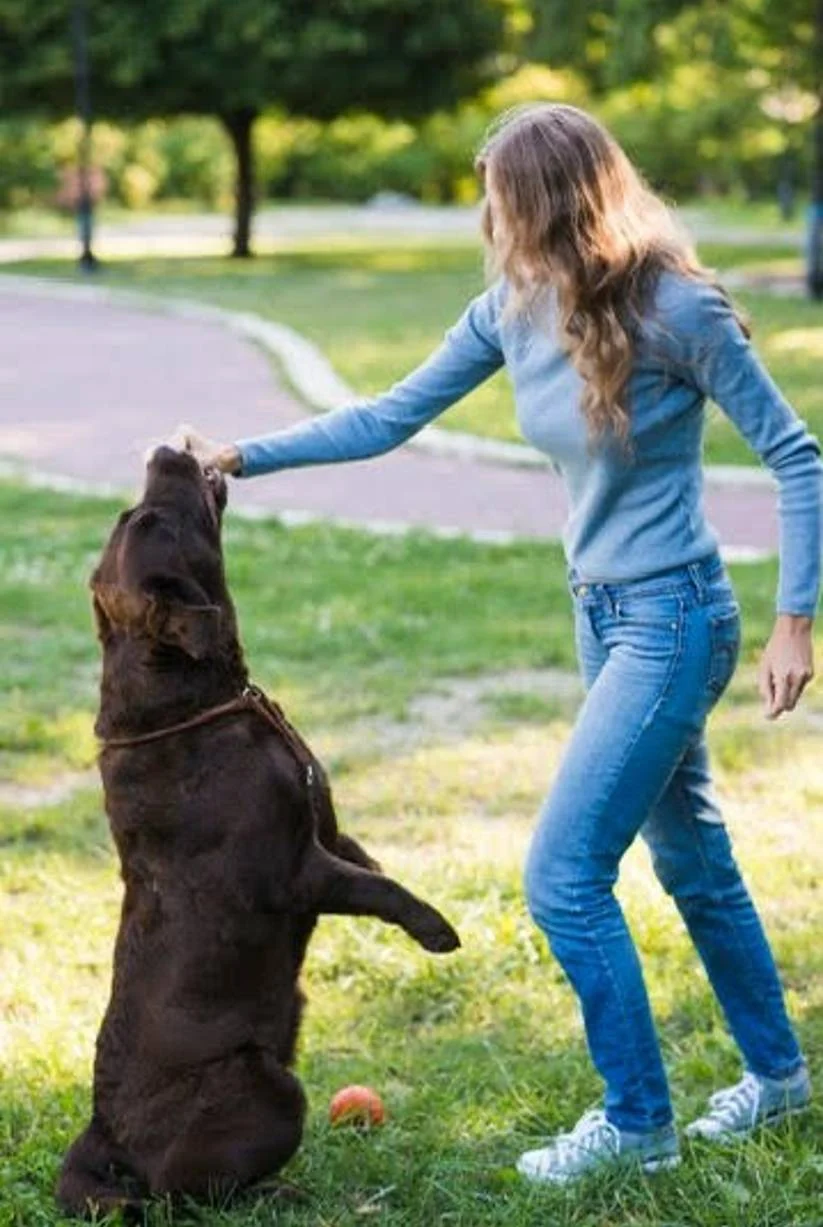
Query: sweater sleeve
x=721, y=363
x=470, y=352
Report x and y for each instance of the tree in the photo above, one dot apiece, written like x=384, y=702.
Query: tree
x=609, y=42
x=312, y=57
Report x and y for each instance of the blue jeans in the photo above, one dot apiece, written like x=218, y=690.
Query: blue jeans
x=656, y=654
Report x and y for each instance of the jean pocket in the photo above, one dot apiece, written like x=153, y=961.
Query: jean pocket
x=662, y=610
x=725, y=648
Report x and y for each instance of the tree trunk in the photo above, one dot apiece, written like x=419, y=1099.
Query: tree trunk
x=240, y=125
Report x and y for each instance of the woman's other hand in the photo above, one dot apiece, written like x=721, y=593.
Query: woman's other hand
x=787, y=664
x=207, y=452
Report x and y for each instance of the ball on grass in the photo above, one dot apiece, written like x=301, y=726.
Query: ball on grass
x=357, y=1105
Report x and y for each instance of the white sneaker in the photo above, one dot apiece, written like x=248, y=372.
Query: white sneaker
x=594, y=1143
x=737, y=1110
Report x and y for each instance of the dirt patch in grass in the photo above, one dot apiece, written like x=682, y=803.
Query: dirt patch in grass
x=55, y=792
x=457, y=707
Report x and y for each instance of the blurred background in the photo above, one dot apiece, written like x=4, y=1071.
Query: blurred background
x=201, y=107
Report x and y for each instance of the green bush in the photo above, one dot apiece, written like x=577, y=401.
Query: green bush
x=696, y=128
x=699, y=129
x=27, y=168
x=197, y=161
x=186, y=158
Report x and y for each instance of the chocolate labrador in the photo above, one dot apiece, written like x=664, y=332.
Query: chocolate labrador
x=230, y=852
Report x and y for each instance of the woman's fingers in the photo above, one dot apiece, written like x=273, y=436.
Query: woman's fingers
x=782, y=694
x=765, y=685
x=787, y=664
x=180, y=439
x=781, y=690
x=797, y=680
x=187, y=439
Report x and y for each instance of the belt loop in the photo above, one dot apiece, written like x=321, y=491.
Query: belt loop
x=698, y=580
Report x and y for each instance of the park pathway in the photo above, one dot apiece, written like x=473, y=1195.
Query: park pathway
x=210, y=233
x=86, y=387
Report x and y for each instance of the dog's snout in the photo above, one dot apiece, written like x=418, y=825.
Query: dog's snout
x=169, y=459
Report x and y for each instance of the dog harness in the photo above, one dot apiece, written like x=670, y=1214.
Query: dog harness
x=251, y=698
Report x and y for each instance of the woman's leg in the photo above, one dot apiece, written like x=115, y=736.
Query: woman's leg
x=632, y=730
x=692, y=856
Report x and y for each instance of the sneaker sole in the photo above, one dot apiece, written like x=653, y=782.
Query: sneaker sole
x=667, y=1164
x=650, y=1167
x=737, y=1135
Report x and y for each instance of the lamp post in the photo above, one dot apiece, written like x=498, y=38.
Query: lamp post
x=80, y=42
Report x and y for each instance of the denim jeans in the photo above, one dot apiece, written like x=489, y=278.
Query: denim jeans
x=656, y=654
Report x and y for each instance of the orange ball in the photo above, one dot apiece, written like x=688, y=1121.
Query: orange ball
x=357, y=1105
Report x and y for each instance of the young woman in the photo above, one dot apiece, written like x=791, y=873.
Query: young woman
x=614, y=337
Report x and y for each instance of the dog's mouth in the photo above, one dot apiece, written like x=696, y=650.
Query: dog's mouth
x=217, y=485
x=168, y=464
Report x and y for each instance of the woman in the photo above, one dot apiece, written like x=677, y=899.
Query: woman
x=614, y=336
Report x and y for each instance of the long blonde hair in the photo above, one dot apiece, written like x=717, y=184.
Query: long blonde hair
x=575, y=216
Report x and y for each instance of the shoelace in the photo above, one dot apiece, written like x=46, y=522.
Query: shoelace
x=591, y=1133
x=736, y=1102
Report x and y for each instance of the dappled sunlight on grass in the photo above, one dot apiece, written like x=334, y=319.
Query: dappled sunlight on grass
x=476, y=1054
x=495, y=775
x=806, y=342
x=32, y=745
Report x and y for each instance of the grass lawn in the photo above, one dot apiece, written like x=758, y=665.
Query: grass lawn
x=431, y=677
x=376, y=310
x=737, y=211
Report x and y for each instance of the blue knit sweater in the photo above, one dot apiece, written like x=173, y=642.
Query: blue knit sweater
x=632, y=511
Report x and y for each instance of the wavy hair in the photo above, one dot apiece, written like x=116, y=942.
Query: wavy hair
x=567, y=212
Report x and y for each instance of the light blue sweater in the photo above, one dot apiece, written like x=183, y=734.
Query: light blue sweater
x=632, y=513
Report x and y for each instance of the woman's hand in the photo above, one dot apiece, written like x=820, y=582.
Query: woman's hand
x=787, y=664
x=207, y=452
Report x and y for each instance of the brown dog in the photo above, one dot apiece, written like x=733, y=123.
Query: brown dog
x=229, y=850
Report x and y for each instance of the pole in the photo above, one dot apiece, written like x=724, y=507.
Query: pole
x=82, y=87
x=815, y=254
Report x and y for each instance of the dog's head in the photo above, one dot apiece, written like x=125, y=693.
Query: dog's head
x=161, y=575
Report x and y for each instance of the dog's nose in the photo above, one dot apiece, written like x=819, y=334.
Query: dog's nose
x=165, y=459
x=161, y=453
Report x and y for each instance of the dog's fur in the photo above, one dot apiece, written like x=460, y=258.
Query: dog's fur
x=226, y=867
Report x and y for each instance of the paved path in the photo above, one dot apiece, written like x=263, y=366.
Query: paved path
x=85, y=388
x=210, y=233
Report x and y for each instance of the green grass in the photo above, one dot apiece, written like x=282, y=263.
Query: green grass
x=377, y=310
x=343, y=623
x=410, y=664
x=737, y=211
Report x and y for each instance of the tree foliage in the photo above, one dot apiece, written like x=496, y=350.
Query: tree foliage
x=617, y=42
x=312, y=57
x=609, y=42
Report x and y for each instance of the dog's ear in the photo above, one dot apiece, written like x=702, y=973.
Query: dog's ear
x=194, y=628
x=117, y=608
x=166, y=610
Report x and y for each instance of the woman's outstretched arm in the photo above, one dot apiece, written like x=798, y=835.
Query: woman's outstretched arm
x=469, y=354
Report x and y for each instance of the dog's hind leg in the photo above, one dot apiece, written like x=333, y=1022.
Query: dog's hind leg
x=93, y=1179
x=249, y=1124
x=329, y=884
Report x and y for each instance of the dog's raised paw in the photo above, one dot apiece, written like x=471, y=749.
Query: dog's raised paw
x=441, y=939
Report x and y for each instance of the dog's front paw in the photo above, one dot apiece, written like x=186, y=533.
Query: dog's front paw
x=438, y=937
